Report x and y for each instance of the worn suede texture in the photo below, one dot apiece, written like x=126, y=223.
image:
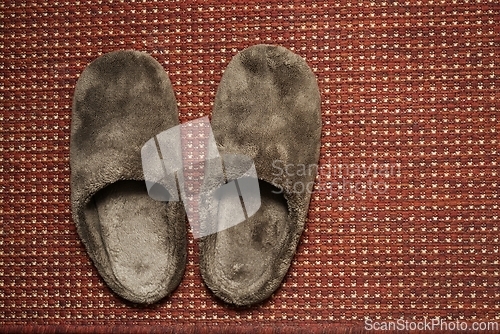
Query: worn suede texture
x=268, y=108
x=121, y=100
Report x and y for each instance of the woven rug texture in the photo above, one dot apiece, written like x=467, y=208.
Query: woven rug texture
x=404, y=217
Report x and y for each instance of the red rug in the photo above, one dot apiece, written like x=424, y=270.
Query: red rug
x=404, y=220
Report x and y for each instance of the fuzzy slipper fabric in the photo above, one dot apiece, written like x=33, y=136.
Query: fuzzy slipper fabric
x=121, y=100
x=267, y=108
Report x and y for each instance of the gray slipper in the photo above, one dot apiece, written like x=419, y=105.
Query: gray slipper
x=138, y=245
x=268, y=108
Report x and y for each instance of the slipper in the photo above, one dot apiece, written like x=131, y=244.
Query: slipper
x=138, y=244
x=267, y=108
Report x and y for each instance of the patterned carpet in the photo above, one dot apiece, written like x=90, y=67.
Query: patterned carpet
x=404, y=220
